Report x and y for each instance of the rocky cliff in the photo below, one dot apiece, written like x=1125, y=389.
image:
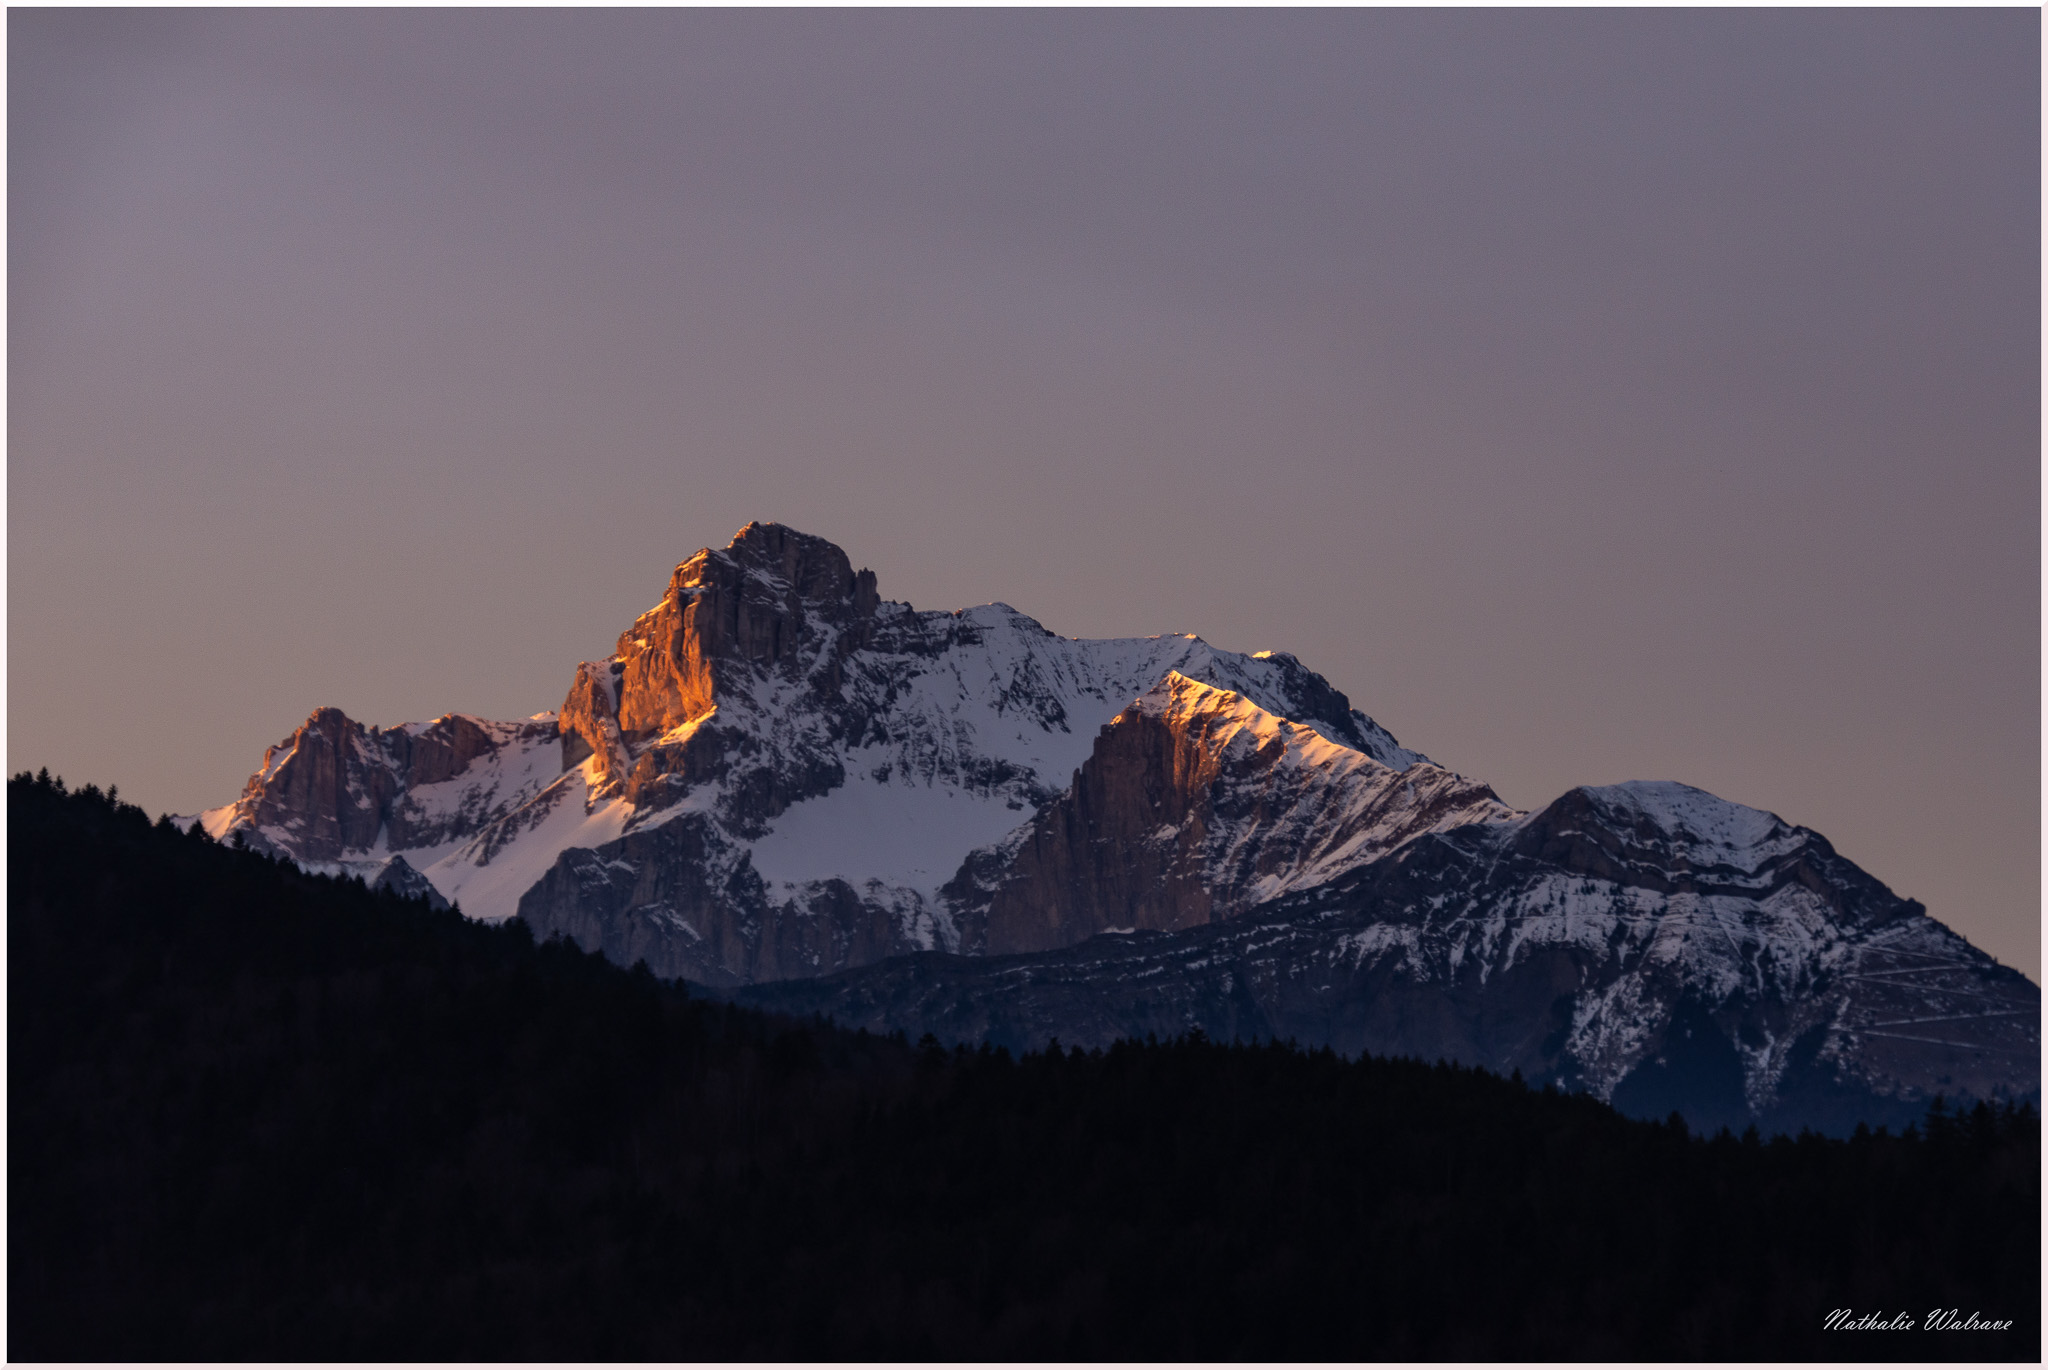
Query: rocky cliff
x=1197, y=805
x=335, y=789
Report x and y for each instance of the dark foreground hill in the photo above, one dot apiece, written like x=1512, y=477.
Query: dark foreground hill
x=255, y=1113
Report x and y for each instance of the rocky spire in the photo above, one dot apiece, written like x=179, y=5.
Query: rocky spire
x=774, y=601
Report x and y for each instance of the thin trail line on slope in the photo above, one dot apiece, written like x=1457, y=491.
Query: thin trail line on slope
x=1958, y=1017
x=1937, y=1041
x=1757, y=972
x=1885, y=978
x=1924, y=956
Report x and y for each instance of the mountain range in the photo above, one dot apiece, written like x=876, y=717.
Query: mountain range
x=789, y=791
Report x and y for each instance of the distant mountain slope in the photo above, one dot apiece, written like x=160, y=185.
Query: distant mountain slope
x=1647, y=943
x=780, y=775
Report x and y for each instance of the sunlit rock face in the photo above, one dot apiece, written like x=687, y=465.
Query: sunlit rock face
x=777, y=610
x=778, y=775
x=1196, y=805
x=774, y=603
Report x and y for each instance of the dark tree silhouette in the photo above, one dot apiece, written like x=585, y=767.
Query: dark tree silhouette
x=260, y=1114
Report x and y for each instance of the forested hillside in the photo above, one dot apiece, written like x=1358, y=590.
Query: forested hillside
x=257, y=1114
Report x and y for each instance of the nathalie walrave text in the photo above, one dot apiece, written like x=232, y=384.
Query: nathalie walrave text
x=1939, y=1320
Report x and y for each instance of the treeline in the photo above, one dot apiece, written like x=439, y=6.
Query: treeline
x=257, y=1114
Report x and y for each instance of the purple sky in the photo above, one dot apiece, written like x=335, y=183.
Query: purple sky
x=1592, y=396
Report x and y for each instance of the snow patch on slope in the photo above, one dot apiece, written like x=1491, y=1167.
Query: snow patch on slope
x=903, y=831
x=487, y=879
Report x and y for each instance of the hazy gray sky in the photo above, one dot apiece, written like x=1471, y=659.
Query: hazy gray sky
x=1592, y=396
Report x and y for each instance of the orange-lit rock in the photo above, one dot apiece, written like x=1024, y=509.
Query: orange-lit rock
x=1198, y=805
x=775, y=608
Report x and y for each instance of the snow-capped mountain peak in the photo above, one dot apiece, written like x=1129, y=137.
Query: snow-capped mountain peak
x=778, y=774
x=825, y=737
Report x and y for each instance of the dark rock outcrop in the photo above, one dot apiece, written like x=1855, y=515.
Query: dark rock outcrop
x=681, y=897
x=399, y=877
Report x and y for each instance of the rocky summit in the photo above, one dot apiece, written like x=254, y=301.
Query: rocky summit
x=785, y=788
